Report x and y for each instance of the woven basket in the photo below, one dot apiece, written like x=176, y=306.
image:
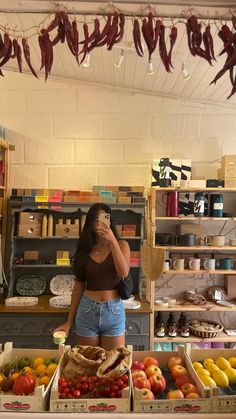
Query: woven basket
x=152, y=261
x=205, y=333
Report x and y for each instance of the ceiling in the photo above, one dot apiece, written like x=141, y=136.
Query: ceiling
x=23, y=14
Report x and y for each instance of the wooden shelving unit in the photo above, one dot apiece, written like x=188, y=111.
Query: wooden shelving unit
x=158, y=218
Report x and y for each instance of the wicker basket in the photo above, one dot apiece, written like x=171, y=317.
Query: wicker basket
x=205, y=333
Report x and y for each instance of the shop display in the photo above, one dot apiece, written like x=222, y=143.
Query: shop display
x=21, y=301
x=31, y=285
x=62, y=284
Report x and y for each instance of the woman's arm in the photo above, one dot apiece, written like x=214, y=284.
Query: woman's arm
x=75, y=299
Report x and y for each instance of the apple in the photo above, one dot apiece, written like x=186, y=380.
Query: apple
x=174, y=360
x=150, y=360
x=188, y=388
x=138, y=374
x=141, y=383
x=153, y=369
x=180, y=381
x=192, y=396
x=177, y=371
x=175, y=394
x=147, y=394
x=158, y=383
x=137, y=365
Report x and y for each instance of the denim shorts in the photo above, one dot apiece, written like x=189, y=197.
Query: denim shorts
x=100, y=318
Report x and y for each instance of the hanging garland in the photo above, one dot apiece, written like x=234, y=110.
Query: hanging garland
x=147, y=30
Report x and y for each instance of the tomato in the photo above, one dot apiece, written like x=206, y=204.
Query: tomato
x=76, y=394
x=119, y=382
x=125, y=378
x=24, y=384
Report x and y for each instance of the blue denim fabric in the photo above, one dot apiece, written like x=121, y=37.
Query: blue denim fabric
x=100, y=318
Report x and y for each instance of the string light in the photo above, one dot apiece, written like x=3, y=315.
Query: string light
x=185, y=74
x=150, y=70
x=86, y=62
x=120, y=59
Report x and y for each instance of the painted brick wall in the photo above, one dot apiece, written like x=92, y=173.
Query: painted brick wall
x=71, y=135
x=74, y=135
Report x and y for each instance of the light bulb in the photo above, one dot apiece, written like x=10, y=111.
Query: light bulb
x=185, y=73
x=150, y=69
x=86, y=62
x=120, y=59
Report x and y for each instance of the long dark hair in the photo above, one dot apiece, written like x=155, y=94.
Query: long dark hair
x=87, y=238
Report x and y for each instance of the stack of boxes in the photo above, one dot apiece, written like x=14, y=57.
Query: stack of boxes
x=227, y=172
x=30, y=224
x=107, y=194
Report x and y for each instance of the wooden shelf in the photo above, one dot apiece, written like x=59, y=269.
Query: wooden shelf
x=199, y=248
x=65, y=237
x=40, y=266
x=180, y=218
x=171, y=188
x=223, y=337
x=202, y=271
x=181, y=306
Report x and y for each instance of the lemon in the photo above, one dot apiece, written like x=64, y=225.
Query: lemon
x=207, y=361
x=203, y=371
x=44, y=380
x=41, y=370
x=212, y=367
x=197, y=365
x=232, y=361
x=51, y=369
x=38, y=361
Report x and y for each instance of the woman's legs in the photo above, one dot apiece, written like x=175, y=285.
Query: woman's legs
x=88, y=340
x=110, y=342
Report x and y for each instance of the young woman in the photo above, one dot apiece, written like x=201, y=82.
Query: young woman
x=102, y=260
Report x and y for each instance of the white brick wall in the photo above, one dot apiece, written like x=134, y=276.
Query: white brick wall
x=73, y=135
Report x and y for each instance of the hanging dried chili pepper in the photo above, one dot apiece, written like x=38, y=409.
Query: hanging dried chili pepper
x=137, y=38
x=85, y=47
x=26, y=51
x=113, y=31
x=96, y=35
x=102, y=39
x=234, y=22
x=195, y=39
x=46, y=52
x=163, y=50
x=122, y=28
x=55, y=22
x=8, y=54
x=75, y=40
x=173, y=37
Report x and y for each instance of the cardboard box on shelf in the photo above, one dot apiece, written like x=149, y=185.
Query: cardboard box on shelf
x=86, y=405
x=37, y=401
x=230, y=182
x=230, y=286
x=228, y=160
x=220, y=401
x=200, y=405
x=29, y=230
x=30, y=217
x=67, y=230
x=228, y=172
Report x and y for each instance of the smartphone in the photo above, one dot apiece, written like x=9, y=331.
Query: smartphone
x=103, y=218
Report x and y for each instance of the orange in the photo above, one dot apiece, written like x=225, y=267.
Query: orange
x=51, y=369
x=44, y=380
x=41, y=369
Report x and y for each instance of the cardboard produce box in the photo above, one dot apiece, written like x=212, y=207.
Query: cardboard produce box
x=86, y=405
x=222, y=399
x=39, y=399
x=162, y=404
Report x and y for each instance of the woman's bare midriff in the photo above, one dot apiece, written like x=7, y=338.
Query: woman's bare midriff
x=106, y=295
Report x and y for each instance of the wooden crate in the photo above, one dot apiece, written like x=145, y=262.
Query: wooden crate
x=37, y=401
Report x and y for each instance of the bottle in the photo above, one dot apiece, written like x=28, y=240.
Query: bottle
x=44, y=225
x=171, y=326
x=216, y=205
x=50, y=225
x=180, y=322
x=198, y=209
x=160, y=326
x=184, y=331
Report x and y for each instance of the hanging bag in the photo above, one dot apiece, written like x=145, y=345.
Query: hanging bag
x=125, y=287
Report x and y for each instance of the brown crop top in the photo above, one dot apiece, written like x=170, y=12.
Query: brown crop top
x=101, y=276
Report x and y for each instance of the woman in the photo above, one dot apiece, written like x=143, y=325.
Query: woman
x=102, y=260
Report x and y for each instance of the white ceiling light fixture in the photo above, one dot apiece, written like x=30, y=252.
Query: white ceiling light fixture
x=185, y=74
x=86, y=62
x=150, y=69
x=118, y=63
